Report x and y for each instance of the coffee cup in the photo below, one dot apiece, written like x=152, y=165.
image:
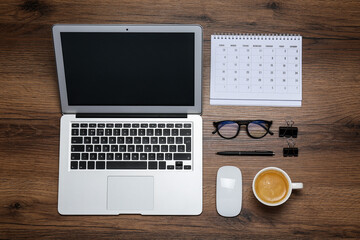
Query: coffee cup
x=272, y=186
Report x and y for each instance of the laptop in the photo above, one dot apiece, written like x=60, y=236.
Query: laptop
x=131, y=126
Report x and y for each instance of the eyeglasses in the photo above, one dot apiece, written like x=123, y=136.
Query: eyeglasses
x=254, y=128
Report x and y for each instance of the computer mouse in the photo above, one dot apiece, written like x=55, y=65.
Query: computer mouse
x=229, y=191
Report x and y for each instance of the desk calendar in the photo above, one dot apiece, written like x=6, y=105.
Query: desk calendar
x=256, y=70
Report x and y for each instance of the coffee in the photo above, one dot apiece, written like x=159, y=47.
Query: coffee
x=271, y=186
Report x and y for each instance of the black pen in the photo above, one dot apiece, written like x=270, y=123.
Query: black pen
x=247, y=153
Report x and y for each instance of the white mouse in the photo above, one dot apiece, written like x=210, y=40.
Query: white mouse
x=228, y=191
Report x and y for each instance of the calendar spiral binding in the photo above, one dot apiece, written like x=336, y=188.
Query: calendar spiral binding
x=255, y=36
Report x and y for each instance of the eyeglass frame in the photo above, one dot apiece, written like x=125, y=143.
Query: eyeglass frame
x=240, y=123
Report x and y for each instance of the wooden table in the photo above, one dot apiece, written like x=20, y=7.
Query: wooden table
x=328, y=122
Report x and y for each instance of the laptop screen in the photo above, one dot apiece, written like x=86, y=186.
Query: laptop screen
x=129, y=69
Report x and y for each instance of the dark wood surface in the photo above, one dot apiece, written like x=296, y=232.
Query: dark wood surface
x=328, y=122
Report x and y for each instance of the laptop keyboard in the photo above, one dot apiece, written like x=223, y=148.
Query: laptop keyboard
x=150, y=146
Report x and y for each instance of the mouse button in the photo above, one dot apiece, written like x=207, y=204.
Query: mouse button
x=228, y=183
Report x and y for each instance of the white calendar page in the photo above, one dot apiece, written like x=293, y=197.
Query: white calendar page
x=256, y=70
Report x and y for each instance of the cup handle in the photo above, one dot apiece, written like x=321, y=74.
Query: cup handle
x=297, y=185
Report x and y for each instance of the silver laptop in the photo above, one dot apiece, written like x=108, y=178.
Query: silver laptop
x=131, y=130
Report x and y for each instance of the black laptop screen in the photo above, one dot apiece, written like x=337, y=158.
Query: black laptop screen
x=129, y=69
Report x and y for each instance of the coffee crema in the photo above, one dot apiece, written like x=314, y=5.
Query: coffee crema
x=271, y=186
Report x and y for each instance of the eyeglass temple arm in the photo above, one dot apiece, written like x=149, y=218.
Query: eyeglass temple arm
x=216, y=127
x=267, y=129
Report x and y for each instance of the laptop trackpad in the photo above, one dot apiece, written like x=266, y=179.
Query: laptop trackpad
x=130, y=193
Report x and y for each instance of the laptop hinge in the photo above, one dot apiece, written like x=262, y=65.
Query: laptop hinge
x=131, y=115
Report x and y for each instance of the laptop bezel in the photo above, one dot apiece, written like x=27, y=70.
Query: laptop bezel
x=69, y=109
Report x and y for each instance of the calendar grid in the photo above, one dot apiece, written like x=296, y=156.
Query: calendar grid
x=251, y=69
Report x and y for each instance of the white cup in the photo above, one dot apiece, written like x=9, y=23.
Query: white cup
x=291, y=186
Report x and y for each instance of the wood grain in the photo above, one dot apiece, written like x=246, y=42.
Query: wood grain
x=328, y=122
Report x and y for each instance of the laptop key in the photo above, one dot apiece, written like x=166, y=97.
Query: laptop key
x=133, y=132
x=185, y=132
x=152, y=165
x=141, y=132
x=108, y=132
x=158, y=132
x=114, y=148
x=91, y=132
x=182, y=156
x=75, y=125
x=100, y=165
x=187, y=141
x=178, y=165
x=150, y=132
x=82, y=165
x=95, y=140
x=97, y=148
x=168, y=156
x=145, y=140
x=106, y=148
x=188, y=167
x=159, y=156
x=75, y=132
x=181, y=148
x=83, y=132
x=104, y=140
x=118, y=156
x=120, y=140
x=93, y=156
x=126, y=165
x=76, y=140
x=87, y=139
x=164, y=148
x=175, y=132
x=91, y=165
x=139, y=148
x=109, y=156
x=89, y=148
x=84, y=156
x=75, y=156
x=122, y=148
x=125, y=132
x=74, y=165
x=162, y=165
x=170, y=167
x=100, y=132
x=126, y=156
x=166, y=132
x=151, y=156
x=135, y=156
x=77, y=148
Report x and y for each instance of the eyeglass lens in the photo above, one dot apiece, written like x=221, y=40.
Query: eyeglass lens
x=258, y=129
x=228, y=129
